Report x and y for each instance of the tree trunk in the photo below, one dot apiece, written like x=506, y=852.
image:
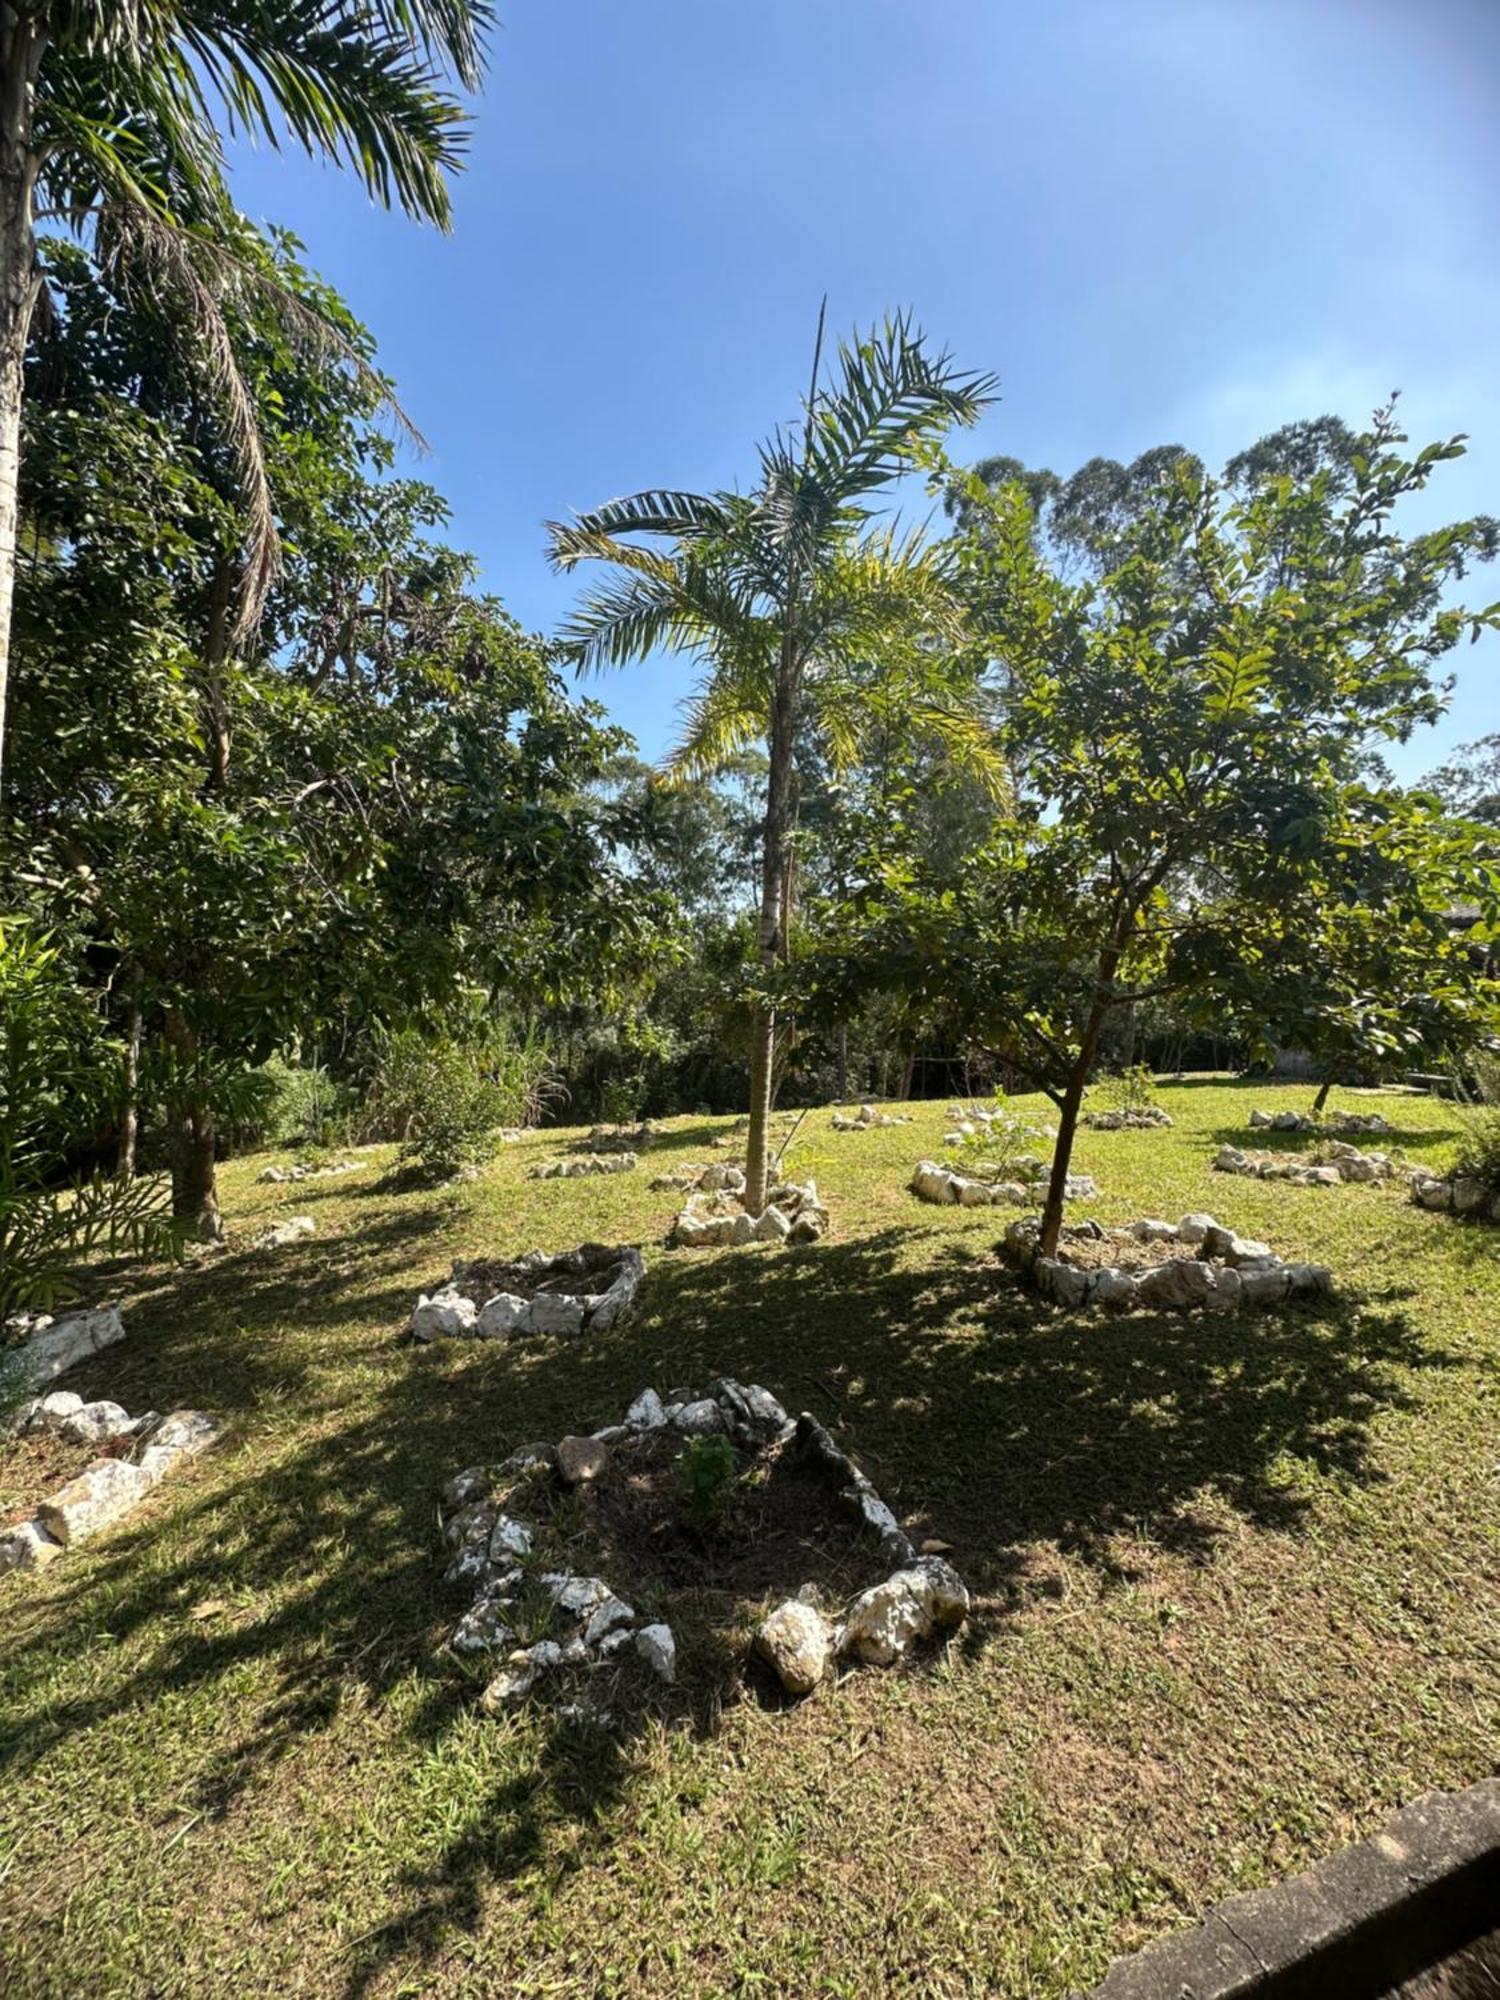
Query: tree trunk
x=1072, y=1104
x=130, y=1114
x=908, y=1070
x=1322, y=1097
x=774, y=903
x=195, y=1195
x=21, y=48
x=841, y=1073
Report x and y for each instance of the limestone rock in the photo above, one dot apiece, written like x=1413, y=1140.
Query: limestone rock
x=60, y=1344
x=556, y=1312
x=281, y=1235
x=914, y=1603
x=500, y=1315
x=98, y=1497
x=658, y=1648
x=29, y=1546
x=97, y=1423
x=447, y=1313
x=646, y=1412
x=797, y=1643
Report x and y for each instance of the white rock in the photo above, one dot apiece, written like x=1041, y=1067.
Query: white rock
x=50, y=1412
x=795, y=1639
x=742, y=1229
x=1151, y=1230
x=98, y=1497
x=1309, y=1278
x=1114, y=1287
x=606, y=1618
x=509, y=1537
x=29, y=1546
x=1470, y=1197
x=555, y=1312
x=646, y=1412
x=445, y=1314
x=97, y=1423
x=1260, y=1120
x=280, y=1235
x=1264, y=1283
x=500, y=1315
x=1193, y=1228
x=698, y=1419
x=483, y=1629
x=63, y=1343
x=913, y=1603
x=773, y=1226
x=183, y=1431
x=658, y=1648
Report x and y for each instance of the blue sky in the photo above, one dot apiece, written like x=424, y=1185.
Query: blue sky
x=1155, y=220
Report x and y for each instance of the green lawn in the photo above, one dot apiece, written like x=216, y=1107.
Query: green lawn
x=1236, y=1584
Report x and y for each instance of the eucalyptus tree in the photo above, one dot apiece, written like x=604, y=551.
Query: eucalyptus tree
x=107, y=124
x=794, y=601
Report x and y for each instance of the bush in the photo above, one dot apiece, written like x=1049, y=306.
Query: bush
x=1479, y=1150
x=1001, y=1150
x=1130, y=1089
x=60, y=1083
x=306, y=1106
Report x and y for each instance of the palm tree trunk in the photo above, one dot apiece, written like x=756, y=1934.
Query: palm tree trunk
x=21, y=48
x=775, y=863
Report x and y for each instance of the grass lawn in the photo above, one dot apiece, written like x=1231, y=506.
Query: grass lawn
x=1236, y=1588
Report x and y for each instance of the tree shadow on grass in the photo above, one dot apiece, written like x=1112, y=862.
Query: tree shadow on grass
x=985, y=1417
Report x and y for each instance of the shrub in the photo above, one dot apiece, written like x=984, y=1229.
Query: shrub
x=306, y=1105
x=1486, y=1069
x=1479, y=1150
x=1129, y=1089
x=60, y=1081
x=708, y=1470
x=1001, y=1149
x=448, y=1107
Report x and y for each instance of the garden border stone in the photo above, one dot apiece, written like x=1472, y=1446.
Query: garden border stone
x=1230, y=1272
x=936, y=1182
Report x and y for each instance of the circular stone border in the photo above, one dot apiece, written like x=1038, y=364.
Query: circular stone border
x=452, y=1311
x=1344, y=1163
x=1150, y=1119
x=1231, y=1271
x=794, y=1213
x=1337, y=1124
x=1454, y=1195
x=943, y=1185
x=488, y=1548
x=577, y=1167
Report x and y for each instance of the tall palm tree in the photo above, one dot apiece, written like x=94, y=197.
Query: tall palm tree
x=107, y=125
x=792, y=599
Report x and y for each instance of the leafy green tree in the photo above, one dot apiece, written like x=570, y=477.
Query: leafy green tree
x=387, y=798
x=106, y=121
x=794, y=605
x=1189, y=729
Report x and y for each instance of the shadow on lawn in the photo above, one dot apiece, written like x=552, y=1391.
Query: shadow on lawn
x=984, y=1416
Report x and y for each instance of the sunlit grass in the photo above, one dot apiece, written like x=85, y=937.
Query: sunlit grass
x=1235, y=1577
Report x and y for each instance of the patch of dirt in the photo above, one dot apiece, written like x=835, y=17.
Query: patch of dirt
x=780, y=1527
x=1090, y=1253
x=593, y=1269
x=35, y=1464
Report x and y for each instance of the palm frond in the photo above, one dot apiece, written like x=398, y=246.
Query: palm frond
x=729, y=712
x=656, y=511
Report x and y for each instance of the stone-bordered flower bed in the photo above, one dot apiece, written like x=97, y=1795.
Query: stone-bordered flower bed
x=1196, y=1262
x=1341, y=1163
x=1146, y=1118
x=619, y=1138
x=1346, y=1124
x=580, y=1166
x=727, y=1176
x=867, y=1119
x=146, y=1450
x=945, y=1186
x=792, y=1504
x=1457, y=1194
x=306, y=1171
x=793, y=1214
x=576, y=1291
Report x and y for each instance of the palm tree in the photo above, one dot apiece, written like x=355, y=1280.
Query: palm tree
x=106, y=121
x=793, y=602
